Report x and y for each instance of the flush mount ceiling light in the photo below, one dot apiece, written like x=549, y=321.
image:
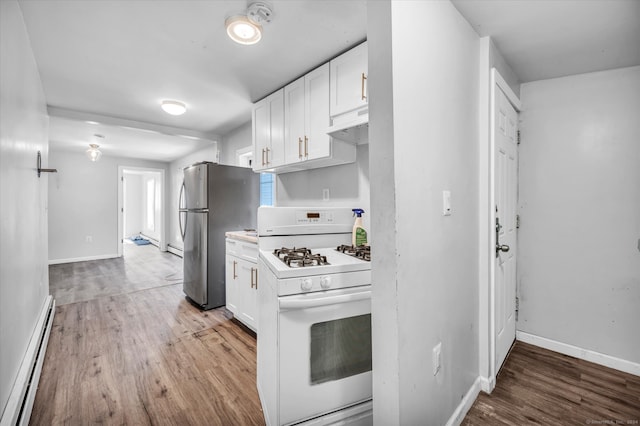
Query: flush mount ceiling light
x=93, y=152
x=173, y=107
x=247, y=28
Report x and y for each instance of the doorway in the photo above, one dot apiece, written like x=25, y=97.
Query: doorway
x=141, y=218
x=499, y=248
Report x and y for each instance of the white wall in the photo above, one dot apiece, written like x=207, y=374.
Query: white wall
x=233, y=141
x=433, y=296
x=83, y=201
x=24, y=276
x=132, y=204
x=579, y=242
x=209, y=153
x=348, y=186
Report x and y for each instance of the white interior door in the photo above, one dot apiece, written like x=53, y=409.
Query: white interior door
x=506, y=187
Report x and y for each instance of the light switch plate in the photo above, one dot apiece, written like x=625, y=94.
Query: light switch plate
x=446, y=203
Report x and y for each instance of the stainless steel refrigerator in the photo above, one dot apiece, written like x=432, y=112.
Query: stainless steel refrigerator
x=213, y=199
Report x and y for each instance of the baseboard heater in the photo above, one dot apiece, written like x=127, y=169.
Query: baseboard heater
x=18, y=408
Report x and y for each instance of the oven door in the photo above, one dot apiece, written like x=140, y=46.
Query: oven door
x=325, y=352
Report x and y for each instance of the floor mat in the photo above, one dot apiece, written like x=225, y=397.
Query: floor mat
x=140, y=240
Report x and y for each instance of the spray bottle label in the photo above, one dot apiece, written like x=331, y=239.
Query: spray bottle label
x=361, y=237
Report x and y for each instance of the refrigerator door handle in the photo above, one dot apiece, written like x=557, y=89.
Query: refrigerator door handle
x=183, y=230
x=182, y=197
x=181, y=205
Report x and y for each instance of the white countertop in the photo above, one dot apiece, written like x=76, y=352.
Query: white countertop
x=249, y=236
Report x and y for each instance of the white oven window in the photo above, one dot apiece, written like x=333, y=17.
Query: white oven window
x=340, y=348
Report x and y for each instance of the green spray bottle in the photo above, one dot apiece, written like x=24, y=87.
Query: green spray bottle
x=359, y=234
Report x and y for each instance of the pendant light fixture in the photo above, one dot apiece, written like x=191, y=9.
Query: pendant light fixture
x=93, y=153
x=247, y=28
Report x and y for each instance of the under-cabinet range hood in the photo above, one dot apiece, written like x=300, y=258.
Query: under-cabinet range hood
x=352, y=127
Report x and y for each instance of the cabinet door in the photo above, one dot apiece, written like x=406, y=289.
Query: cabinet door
x=268, y=131
x=275, y=155
x=231, y=283
x=294, y=121
x=317, y=144
x=348, y=80
x=248, y=308
x=261, y=132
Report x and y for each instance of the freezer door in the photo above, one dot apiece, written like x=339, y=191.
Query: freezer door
x=195, y=257
x=195, y=187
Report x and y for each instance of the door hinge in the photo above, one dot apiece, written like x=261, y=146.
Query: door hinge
x=517, y=221
x=517, y=307
x=518, y=136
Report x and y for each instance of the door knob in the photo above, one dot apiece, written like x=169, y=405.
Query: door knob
x=502, y=247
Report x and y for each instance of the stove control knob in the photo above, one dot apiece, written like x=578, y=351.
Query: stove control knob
x=306, y=284
x=325, y=282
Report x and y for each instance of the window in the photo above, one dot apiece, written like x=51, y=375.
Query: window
x=266, y=189
x=151, y=204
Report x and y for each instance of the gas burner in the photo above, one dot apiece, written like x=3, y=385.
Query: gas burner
x=361, y=252
x=300, y=257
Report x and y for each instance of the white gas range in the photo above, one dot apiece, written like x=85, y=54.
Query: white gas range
x=314, y=344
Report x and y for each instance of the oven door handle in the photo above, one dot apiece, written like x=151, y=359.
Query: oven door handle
x=303, y=302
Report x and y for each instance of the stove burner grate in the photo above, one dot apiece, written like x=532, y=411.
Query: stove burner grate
x=300, y=257
x=361, y=252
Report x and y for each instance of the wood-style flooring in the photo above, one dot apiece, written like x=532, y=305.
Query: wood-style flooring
x=127, y=348
x=540, y=387
x=147, y=358
x=140, y=268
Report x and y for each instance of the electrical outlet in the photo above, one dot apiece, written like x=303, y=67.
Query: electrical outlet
x=437, y=358
x=325, y=194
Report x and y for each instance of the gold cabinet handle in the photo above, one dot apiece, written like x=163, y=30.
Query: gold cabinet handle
x=267, y=150
x=362, y=80
x=234, y=270
x=263, y=156
x=306, y=146
x=300, y=148
x=254, y=283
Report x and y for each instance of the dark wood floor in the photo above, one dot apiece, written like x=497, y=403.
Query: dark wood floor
x=147, y=357
x=140, y=268
x=541, y=387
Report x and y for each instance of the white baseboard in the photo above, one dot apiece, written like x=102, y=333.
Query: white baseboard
x=152, y=240
x=487, y=384
x=20, y=403
x=465, y=405
x=82, y=259
x=175, y=250
x=580, y=353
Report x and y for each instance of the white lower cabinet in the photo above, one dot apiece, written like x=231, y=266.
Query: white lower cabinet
x=242, y=281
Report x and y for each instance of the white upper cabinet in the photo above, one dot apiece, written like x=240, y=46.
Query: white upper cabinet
x=348, y=84
x=290, y=127
x=306, y=105
x=268, y=132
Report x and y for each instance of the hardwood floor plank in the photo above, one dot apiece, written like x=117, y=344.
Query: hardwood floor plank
x=538, y=386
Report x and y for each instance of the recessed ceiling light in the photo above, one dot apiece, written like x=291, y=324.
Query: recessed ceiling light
x=173, y=107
